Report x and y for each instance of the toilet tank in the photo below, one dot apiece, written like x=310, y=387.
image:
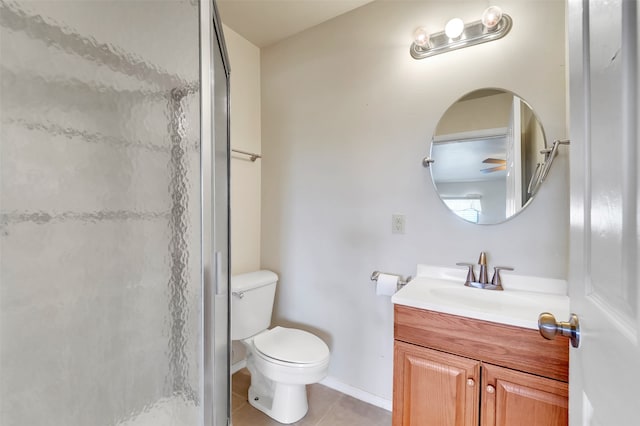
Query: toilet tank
x=252, y=297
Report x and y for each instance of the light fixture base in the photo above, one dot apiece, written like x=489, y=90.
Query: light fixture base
x=474, y=33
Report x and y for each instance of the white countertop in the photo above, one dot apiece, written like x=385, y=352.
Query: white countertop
x=523, y=299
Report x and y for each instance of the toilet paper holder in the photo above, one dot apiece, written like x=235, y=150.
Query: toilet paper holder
x=402, y=281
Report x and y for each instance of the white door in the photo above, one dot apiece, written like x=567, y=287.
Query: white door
x=605, y=369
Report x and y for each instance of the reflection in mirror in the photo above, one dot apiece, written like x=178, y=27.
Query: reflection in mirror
x=486, y=157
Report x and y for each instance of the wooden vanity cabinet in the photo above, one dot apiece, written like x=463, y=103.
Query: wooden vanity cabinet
x=451, y=370
x=434, y=388
x=512, y=397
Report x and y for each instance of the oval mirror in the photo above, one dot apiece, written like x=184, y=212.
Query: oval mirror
x=485, y=156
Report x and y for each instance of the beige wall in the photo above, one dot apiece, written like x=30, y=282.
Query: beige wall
x=245, y=135
x=347, y=116
x=488, y=112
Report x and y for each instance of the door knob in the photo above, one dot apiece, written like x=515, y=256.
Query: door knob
x=550, y=328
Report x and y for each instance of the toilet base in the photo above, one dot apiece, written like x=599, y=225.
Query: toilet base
x=282, y=402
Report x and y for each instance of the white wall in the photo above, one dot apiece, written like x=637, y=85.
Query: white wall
x=347, y=115
x=245, y=135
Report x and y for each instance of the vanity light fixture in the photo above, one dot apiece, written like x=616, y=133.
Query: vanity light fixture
x=493, y=25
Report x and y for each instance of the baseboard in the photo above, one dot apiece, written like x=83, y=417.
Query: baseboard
x=238, y=366
x=333, y=383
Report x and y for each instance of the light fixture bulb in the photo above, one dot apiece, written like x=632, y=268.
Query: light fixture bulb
x=454, y=28
x=421, y=37
x=491, y=17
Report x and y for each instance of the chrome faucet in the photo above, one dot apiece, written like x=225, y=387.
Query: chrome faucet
x=483, y=281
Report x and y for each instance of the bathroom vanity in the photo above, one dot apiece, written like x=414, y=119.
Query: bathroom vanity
x=465, y=356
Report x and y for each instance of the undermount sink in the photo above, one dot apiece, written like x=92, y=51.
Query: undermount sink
x=443, y=290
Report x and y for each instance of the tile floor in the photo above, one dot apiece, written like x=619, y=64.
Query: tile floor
x=327, y=407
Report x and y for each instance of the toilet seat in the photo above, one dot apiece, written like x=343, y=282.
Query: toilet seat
x=290, y=345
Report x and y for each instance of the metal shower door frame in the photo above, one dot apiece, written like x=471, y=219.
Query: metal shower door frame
x=216, y=349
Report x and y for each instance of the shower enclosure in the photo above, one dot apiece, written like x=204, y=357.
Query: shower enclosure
x=113, y=213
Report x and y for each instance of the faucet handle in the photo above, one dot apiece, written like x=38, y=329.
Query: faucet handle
x=471, y=276
x=496, y=274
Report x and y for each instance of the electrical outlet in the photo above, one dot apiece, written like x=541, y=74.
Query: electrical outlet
x=397, y=224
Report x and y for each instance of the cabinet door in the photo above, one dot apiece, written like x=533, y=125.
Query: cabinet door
x=434, y=388
x=513, y=398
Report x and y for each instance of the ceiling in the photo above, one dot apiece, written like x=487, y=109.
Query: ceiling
x=265, y=22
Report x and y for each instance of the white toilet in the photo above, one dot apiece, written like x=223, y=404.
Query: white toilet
x=282, y=361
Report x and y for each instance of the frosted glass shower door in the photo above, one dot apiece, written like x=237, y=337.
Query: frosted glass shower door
x=101, y=206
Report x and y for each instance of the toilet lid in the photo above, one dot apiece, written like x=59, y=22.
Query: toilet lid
x=291, y=345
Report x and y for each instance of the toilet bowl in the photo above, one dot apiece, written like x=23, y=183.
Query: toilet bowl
x=282, y=361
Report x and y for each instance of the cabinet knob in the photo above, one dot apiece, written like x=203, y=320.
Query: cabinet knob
x=491, y=389
x=471, y=382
